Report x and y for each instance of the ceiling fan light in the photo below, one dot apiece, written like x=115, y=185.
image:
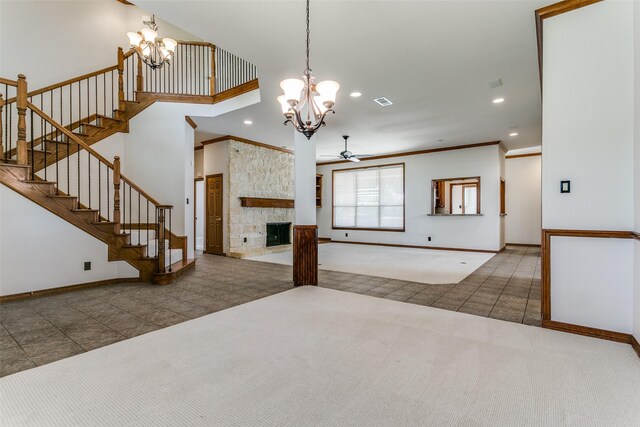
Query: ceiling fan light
x=292, y=89
x=328, y=90
x=149, y=35
x=170, y=44
x=134, y=39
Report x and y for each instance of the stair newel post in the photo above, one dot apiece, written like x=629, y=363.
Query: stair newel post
x=121, y=104
x=139, y=80
x=212, y=75
x=21, y=104
x=116, y=193
x=1, y=128
x=161, y=235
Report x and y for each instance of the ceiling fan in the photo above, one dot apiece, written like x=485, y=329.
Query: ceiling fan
x=348, y=155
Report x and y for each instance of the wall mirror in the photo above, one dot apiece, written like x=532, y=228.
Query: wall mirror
x=455, y=196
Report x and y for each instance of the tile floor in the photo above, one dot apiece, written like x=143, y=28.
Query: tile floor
x=38, y=331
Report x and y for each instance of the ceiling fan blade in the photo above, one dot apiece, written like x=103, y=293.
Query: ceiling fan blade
x=353, y=159
x=364, y=155
x=330, y=156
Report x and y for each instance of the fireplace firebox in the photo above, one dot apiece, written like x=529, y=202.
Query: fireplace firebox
x=278, y=233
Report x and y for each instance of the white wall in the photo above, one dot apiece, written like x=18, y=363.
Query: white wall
x=65, y=39
x=469, y=232
x=588, y=132
x=39, y=250
x=523, y=200
x=588, y=118
x=198, y=163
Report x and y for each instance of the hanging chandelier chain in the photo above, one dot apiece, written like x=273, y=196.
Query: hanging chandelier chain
x=308, y=37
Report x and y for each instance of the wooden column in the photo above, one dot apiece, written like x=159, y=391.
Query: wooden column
x=1, y=128
x=21, y=104
x=161, y=235
x=212, y=76
x=121, y=104
x=305, y=255
x=139, y=80
x=116, y=193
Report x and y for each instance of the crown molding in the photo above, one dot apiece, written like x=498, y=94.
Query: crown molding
x=245, y=141
x=417, y=152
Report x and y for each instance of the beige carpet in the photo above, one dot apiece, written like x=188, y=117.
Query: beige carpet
x=313, y=356
x=414, y=265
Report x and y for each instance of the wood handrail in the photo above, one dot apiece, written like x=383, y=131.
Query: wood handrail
x=68, y=134
x=8, y=82
x=141, y=191
x=94, y=153
x=196, y=43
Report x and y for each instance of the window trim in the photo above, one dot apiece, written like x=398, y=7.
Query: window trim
x=404, y=201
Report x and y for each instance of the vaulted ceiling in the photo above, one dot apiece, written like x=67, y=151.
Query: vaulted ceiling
x=433, y=59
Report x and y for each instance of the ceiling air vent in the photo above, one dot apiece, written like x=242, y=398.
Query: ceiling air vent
x=383, y=101
x=495, y=83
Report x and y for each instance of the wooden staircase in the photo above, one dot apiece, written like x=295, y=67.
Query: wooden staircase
x=46, y=155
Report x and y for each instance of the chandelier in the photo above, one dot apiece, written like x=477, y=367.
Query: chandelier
x=154, y=53
x=305, y=103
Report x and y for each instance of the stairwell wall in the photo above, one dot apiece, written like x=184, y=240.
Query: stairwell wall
x=39, y=250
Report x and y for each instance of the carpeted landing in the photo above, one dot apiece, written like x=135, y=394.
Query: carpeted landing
x=313, y=356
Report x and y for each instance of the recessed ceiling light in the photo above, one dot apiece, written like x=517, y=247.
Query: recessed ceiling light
x=355, y=94
x=248, y=122
x=498, y=100
x=513, y=134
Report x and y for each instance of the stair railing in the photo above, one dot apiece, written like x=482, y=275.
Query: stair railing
x=13, y=120
x=86, y=174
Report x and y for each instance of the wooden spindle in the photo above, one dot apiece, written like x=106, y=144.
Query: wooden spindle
x=121, y=104
x=1, y=128
x=21, y=104
x=116, y=193
x=212, y=78
x=139, y=80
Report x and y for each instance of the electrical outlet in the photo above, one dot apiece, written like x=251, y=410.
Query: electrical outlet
x=87, y=265
x=429, y=238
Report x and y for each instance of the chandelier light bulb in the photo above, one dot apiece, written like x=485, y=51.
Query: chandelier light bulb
x=328, y=89
x=149, y=34
x=284, y=105
x=169, y=44
x=292, y=89
x=320, y=102
x=134, y=39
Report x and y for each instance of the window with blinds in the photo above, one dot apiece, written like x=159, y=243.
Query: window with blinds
x=369, y=198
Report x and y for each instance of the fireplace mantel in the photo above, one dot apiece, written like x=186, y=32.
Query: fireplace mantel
x=261, y=202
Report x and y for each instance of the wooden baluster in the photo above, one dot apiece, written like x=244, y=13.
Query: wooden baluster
x=121, y=104
x=21, y=104
x=139, y=80
x=116, y=193
x=212, y=78
x=1, y=128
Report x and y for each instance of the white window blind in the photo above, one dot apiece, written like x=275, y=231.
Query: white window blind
x=369, y=198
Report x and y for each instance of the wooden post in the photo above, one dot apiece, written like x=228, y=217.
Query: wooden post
x=121, y=104
x=212, y=76
x=21, y=104
x=116, y=193
x=161, y=236
x=139, y=80
x=1, y=128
